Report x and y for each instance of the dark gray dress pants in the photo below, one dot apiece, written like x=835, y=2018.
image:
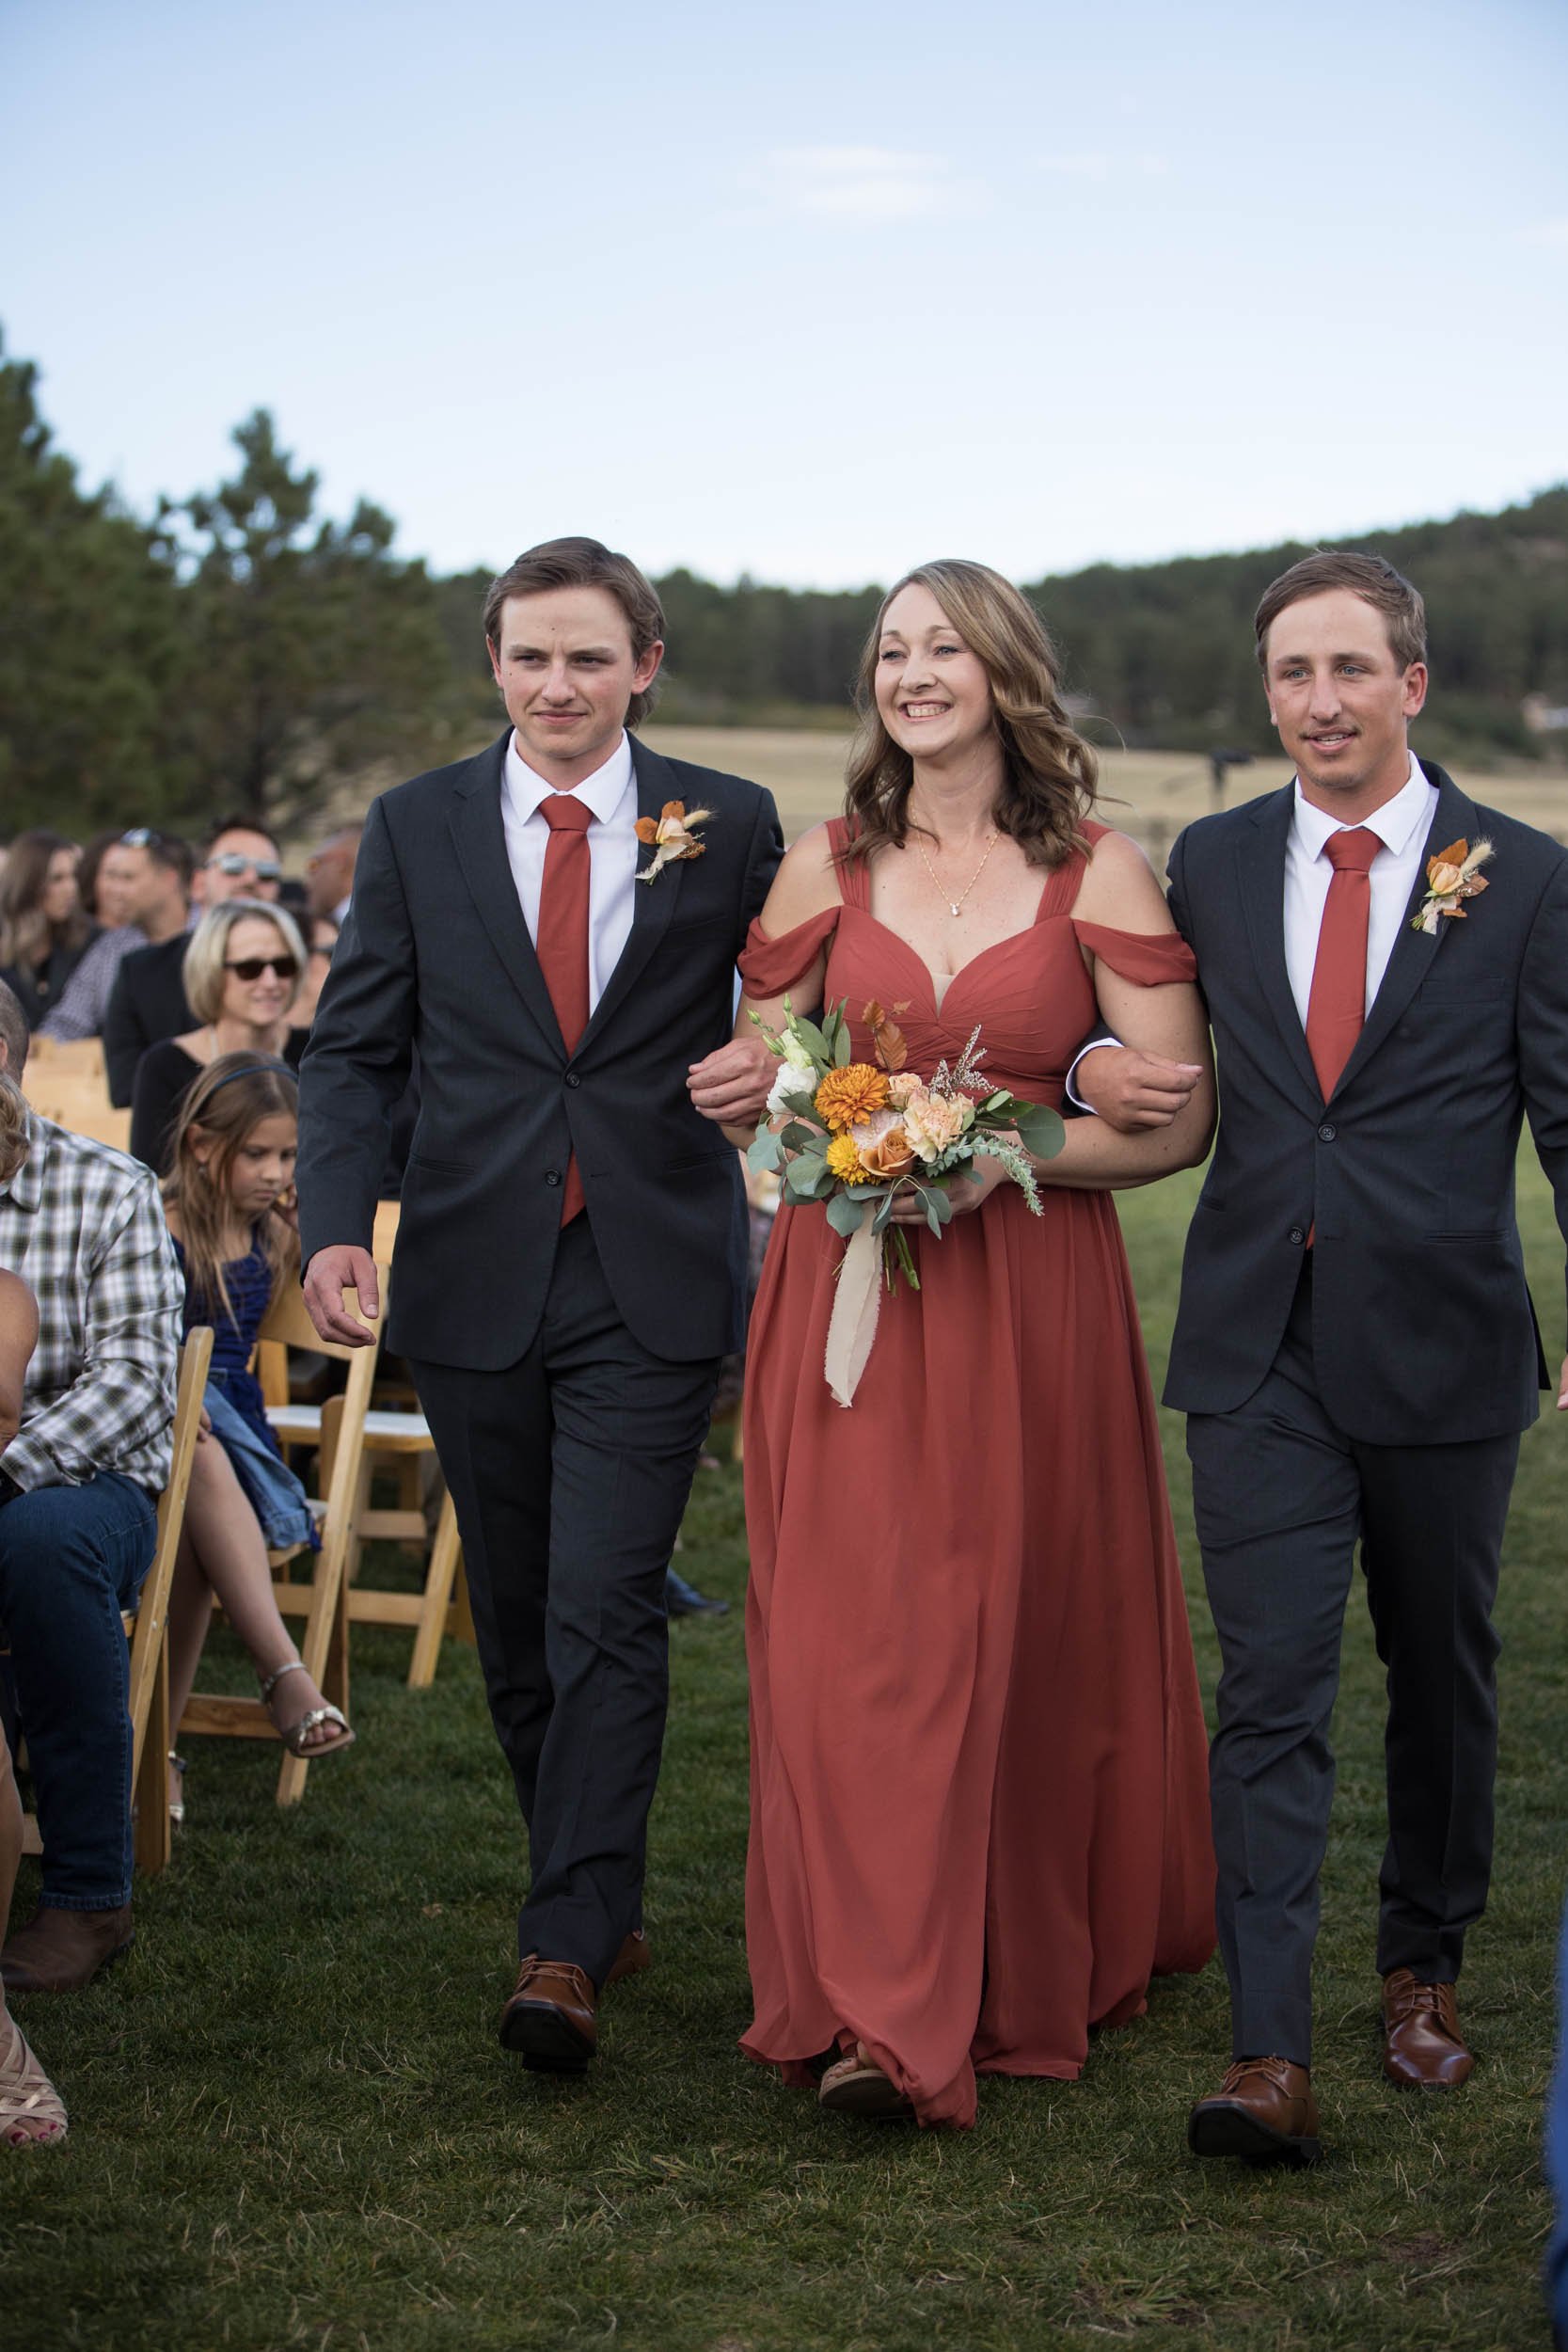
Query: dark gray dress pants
x=1281, y=1497
x=570, y=1470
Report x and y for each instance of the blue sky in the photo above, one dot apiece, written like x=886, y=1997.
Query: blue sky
x=814, y=292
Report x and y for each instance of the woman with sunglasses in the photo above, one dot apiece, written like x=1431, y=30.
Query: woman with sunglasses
x=242, y=970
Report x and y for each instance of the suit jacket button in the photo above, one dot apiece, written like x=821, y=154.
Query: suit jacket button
x=552, y=1175
x=572, y=1078
x=1326, y=1134
x=1298, y=1235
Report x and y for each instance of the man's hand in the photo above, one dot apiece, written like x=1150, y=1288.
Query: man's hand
x=1562, y=1387
x=1131, y=1091
x=330, y=1274
x=732, y=1086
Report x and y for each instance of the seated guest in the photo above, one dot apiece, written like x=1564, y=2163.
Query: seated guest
x=329, y=873
x=83, y=1227
x=230, y=1200
x=321, y=937
x=148, y=1001
x=43, y=931
x=242, y=967
x=100, y=897
x=31, y=2112
x=145, y=879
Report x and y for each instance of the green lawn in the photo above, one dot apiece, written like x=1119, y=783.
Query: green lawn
x=291, y=2123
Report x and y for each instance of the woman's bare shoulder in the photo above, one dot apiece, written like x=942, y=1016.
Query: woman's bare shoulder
x=806, y=884
x=1120, y=888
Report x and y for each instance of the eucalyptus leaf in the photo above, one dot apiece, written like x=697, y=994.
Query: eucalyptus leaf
x=815, y=1042
x=844, y=1213
x=762, y=1154
x=1040, y=1129
x=800, y=1138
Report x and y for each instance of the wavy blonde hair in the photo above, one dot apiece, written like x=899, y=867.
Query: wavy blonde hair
x=203, y=968
x=13, y=1127
x=1049, y=772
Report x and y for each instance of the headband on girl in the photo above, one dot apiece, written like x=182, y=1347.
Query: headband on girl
x=250, y=1069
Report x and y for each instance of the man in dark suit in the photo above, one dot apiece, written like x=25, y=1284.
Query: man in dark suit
x=1356, y=1348
x=148, y=1001
x=571, y=1256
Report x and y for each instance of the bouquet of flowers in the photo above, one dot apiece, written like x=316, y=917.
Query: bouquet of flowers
x=856, y=1136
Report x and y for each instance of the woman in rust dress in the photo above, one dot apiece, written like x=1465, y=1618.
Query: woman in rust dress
x=979, y=1809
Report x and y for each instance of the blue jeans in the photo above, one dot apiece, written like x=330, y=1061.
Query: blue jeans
x=71, y=1559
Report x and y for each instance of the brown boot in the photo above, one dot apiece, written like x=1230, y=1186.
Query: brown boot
x=1263, y=2110
x=58, y=1951
x=632, y=1958
x=552, y=2017
x=1422, y=2049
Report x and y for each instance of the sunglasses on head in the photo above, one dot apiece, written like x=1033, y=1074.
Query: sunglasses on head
x=141, y=838
x=232, y=862
x=251, y=967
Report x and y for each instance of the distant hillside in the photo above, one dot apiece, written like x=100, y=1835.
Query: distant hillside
x=1165, y=651
x=1160, y=653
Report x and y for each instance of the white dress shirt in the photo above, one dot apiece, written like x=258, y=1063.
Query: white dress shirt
x=610, y=792
x=1401, y=825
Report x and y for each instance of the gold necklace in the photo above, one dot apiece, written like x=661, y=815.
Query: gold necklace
x=955, y=906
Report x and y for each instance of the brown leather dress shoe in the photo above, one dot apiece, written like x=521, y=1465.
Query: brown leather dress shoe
x=1422, y=2049
x=632, y=1958
x=58, y=1951
x=552, y=2019
x=1264, y=2110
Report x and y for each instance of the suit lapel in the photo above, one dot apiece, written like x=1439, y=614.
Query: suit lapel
x=1260, y=878
x=653, y=903
x=480, y=839
x=1414, y=952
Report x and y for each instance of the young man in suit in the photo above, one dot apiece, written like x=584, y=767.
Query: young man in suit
x=1355, y=1349
x=148, y=1001
x=571, y=1255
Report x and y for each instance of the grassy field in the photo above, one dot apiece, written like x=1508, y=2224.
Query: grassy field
x=292, y=2125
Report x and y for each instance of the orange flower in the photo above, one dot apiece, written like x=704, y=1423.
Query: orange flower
x=847, y=1096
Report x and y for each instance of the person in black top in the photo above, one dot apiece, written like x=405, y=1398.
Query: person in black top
x=243, y=968
x=45, y=932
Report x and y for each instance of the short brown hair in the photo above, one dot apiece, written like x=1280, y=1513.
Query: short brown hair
x=1367, y=576
x=583, y=564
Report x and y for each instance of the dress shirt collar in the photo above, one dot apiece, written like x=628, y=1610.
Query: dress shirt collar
x=603, y=791
x=1393, y=823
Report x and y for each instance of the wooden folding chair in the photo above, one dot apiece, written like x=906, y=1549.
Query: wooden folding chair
x=147, y=1626
x=323, y=1602
x=395, y=1438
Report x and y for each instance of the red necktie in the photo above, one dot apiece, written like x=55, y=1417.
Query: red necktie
x=1337, y=1004
x=562, y=941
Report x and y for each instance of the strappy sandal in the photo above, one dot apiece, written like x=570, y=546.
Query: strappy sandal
x=27, y=2098
x=858, y=2085
x=296, y=1738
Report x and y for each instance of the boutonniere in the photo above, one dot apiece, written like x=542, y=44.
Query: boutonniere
x=673, y=836
x=1451, y=876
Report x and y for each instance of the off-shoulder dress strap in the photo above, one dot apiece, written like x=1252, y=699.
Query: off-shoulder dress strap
x=1065, y=881
x=768, y=967
x=1149, y=959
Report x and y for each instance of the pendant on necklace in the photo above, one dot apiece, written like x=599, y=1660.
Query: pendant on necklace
x=952, y=910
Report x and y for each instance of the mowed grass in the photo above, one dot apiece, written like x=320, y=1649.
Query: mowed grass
x=292, y=2125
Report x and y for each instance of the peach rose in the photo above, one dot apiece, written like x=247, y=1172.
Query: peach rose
x=934, y=1123
x=882, y=1147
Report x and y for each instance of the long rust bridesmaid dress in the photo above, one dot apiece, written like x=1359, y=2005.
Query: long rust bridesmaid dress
x=979, y=1800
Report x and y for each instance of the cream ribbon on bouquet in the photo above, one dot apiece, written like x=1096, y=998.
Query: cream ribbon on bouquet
x=857, y=1303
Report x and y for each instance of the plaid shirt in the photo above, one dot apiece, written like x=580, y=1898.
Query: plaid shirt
x=84, y=1228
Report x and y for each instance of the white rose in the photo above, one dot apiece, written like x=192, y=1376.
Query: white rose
x=791, y=1088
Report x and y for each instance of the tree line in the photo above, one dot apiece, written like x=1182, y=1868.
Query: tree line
x=238, y=648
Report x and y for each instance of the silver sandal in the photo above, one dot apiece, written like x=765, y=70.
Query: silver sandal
x=298, y=1735
x=27, y=2097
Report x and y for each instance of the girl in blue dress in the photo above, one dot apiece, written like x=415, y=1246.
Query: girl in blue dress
x=230, y=1200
